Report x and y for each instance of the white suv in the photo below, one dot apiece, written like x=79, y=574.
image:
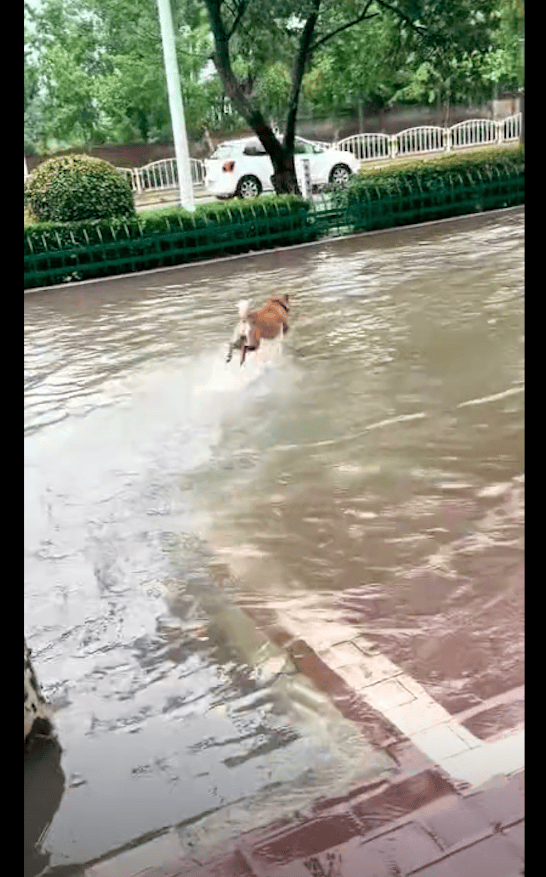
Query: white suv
x=243, y=167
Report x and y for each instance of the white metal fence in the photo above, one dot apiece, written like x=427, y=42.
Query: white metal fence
x=162, y=174
x=366, y=146
x=421, y=140
x=428, y=138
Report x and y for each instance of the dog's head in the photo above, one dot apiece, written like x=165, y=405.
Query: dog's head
x=282, y=300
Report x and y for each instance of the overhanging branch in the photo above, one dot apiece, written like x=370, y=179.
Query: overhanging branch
x=240, y=12
x=418, y=28
x=362, y=17
x=298, y=71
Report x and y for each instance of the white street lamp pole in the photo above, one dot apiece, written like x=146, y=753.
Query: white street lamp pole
x=178, y=121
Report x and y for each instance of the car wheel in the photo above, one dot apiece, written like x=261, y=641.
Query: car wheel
x=339, y=175
x=249, y=187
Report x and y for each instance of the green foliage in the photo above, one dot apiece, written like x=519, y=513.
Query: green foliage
x=400, y=193
x=440, y=52
x=48, y=237
x=424, y=175
x=505, y=63
x=272, y=89
x=94, y=68
x=362, y=63
x=75, y=187
x=94, y=72
x=57, y=252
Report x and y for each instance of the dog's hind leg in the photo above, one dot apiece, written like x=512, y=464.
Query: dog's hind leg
x=250, y=342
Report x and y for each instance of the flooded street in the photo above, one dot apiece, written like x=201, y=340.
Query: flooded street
x=372, y=475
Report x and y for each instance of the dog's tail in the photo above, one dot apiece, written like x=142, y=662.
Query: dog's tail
x=244, y=307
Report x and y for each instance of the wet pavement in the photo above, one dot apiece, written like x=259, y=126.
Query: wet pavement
x=418, y=825
x=256, y=597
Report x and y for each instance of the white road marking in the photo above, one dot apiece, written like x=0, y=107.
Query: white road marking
x=511, y=391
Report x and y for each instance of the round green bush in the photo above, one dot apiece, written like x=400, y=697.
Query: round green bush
x=74, y=187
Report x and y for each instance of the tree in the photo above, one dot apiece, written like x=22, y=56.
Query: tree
x=94, y=68
x=452, y=64
x=505, y=62
x=94, y=71
x=297, y=30
x=31, y=105
x=357, y=67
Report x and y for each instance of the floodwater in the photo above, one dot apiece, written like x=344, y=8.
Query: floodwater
x=373, y=474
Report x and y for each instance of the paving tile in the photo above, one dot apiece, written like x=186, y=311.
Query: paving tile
x=404, y=849
x=418, y=715
x=366, y=671
x=400, y=800
x=341, y=655
x=516, y=837
x=454, y=819
x=497, y=719
x=440, y=741
x=362, y=650
x=386, y=694
x=445, y=868
x=232, y=864
x=478, y=765
x=347, y=860
x=394, y=854
x=263, y=835
x=294, y=869
x=503, y=801
x=306, y=839
x=492, y=857
x=414, y=687
x=467, y=736
x=411, y=760
x=342, y=802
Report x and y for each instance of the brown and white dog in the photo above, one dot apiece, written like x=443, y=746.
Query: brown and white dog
x=267, y=323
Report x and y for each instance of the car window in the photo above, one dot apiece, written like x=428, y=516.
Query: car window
x=301, y=148
x=254, y=149
x=225, y=150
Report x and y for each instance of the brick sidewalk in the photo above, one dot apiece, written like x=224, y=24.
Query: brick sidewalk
x=419, y=826
x=421, y=821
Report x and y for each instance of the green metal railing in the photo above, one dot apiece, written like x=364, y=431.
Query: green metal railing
x=407, y=203
x=50, y=259
x=131, y=248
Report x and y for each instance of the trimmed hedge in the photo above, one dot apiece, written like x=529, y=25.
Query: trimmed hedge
x=415, y=190
x=57, y=252
x=400, y=193
x=506, y=158
x=69, y=188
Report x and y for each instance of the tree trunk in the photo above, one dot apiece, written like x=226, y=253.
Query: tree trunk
x=284, y=178
x=447, y=107
x=285, y=182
